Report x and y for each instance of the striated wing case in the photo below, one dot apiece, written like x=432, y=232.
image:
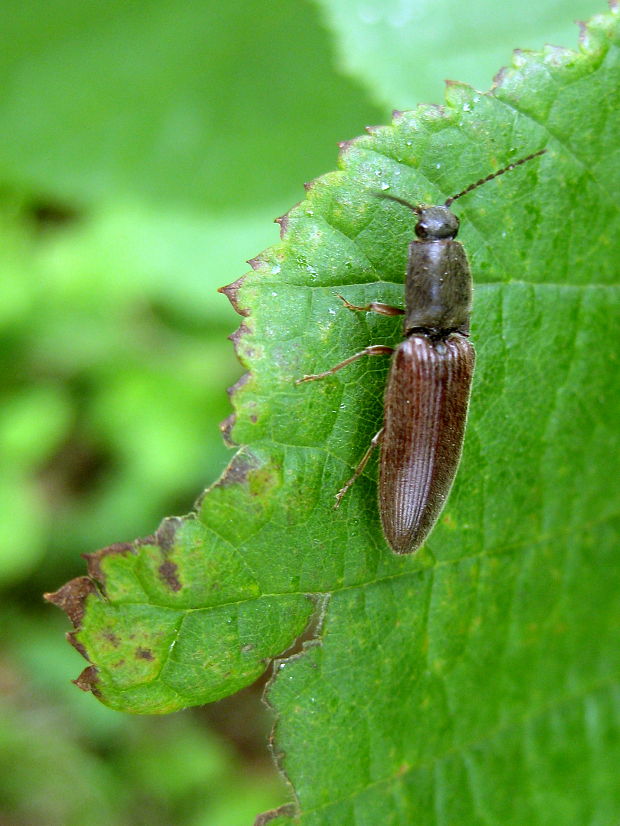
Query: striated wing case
x=426, y=403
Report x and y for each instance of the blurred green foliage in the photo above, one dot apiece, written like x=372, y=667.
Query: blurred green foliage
x=146, y=148
x=430, y=42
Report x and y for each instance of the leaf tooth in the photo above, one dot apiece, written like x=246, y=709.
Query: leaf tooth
x=237, y=335
x=344, y=146
x=226, y=429
x=282, y=221
x=499, y=77
x=231, y=291
x=241, y=381
x=88, y=680
x=71, y=598
x=94, y=560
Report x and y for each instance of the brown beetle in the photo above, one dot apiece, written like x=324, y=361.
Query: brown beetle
x=429, y=383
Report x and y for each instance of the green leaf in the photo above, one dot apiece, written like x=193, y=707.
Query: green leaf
x=477, y=681
x=166, y=101
x=427, y=42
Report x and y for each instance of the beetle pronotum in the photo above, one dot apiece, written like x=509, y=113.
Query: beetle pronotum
x=429, y=382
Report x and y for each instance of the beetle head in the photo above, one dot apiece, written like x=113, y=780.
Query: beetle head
x=436, y=223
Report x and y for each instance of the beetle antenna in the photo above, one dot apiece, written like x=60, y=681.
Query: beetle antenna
x=488, y=177
x=415, y=209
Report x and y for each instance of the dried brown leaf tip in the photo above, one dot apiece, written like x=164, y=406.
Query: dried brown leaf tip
x=287, y=810
x=71, y=598
x=94, y=561
x=236, y=336
x=282, y=221
x=226, y=428
x=231, y=291
x=87, y=681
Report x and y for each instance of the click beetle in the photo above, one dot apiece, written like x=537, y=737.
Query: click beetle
x=429, y=382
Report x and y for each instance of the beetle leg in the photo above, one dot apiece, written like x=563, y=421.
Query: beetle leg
x=373, y=350
x=360, y=468
x=373, y=307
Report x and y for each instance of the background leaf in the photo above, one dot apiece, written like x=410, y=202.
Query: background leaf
x=488, y=662
x=150, y=123
x=402, y=50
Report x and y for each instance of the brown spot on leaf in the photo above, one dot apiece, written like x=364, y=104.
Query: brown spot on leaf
x=111, y=637
x=168, y=572
x=231, y=291
x=144, y=654
x=167, y=532
x=71, y=598
x=88, y=679
x=237, y=471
